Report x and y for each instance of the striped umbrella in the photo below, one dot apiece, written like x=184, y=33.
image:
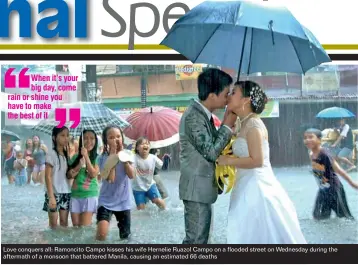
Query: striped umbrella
x=93, y=115
x=159, y=124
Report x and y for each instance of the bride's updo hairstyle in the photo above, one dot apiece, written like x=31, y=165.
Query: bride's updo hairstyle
x=257, y=96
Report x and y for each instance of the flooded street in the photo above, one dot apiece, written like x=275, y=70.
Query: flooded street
x=23, y=221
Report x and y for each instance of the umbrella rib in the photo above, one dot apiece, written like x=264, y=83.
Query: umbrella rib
x=298, y=57
x=212, y=34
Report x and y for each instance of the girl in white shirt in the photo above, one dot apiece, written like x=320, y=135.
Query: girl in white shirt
x=58, y=188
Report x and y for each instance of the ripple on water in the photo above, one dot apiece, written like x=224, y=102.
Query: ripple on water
x=23, y=220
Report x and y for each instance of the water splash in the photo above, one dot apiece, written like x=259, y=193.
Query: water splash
x=24, y=222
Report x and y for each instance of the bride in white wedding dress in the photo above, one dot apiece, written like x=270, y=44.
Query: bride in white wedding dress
x=260, y=210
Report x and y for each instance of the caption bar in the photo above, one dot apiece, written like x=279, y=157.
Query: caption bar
x=152, y=254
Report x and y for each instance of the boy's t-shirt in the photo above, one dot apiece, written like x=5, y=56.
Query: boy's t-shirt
x=144, y=169
x=83, y=186
x=23, y=163
x=323, y=171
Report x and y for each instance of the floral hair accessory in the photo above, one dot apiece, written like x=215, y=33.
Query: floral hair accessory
x=257, y=96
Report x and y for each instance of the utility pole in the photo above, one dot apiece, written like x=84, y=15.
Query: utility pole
x=89, y=83
x=143, y=89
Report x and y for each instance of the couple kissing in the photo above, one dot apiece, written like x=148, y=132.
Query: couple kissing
x=260, y=210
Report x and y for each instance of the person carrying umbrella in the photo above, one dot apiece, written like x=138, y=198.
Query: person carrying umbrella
x=345, y=143
x=84, y=169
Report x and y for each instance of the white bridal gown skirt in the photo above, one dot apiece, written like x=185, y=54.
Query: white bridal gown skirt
x=261, y=211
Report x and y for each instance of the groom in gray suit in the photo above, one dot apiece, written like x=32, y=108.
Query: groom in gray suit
x=200, y=145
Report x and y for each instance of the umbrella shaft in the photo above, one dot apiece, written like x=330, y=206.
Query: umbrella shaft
x=242, y=55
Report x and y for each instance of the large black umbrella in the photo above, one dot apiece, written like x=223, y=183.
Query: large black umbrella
x=247, y=36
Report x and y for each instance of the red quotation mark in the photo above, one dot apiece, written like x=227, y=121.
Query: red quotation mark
x=61, y=116
x=10, y=79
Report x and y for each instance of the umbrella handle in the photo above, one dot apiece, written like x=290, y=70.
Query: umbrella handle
x=83, y=142
x=83, y=145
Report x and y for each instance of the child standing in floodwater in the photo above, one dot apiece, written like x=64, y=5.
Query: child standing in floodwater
x=29, y=158
x=20, y=165
x=84, y=170
x=331, y=194
x=114, y=198
x=144, y=185
x=58, y=189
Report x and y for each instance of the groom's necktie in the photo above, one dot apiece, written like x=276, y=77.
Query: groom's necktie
x=212, y=121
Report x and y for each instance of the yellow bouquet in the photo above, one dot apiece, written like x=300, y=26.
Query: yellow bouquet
x=225, y=175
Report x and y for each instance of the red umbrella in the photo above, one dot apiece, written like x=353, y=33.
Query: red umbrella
x=159, y=124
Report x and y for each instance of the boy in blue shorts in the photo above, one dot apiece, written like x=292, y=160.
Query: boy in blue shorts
x=144, y=186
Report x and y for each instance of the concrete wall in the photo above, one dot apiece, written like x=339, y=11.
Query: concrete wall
x=165, y=84
x=129, y=86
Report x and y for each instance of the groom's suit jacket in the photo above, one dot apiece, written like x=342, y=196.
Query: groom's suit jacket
x=200, y=146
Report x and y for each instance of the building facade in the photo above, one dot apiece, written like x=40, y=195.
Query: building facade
x=298, y=105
